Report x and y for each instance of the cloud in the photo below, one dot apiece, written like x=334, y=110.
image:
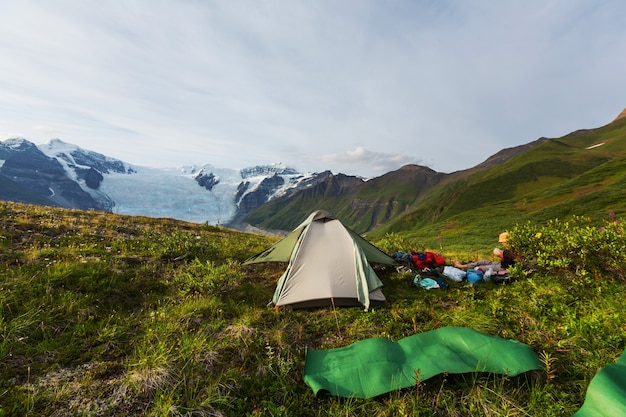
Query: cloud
x=47, y=131
x=368, y=162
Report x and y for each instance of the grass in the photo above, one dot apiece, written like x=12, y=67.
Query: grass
x=109, y=315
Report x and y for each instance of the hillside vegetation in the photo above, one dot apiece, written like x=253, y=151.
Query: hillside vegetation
x=583, y=173
x=363, y=206
x=110, y=315
x=555, y=179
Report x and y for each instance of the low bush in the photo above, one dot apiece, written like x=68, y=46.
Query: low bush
x=573, y=248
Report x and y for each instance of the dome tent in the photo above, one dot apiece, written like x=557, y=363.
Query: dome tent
x=329, y=264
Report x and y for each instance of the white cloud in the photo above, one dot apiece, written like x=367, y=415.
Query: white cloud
x=45, y=131
x=367, y=162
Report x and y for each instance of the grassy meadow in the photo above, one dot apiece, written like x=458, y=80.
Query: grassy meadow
x=111, y=315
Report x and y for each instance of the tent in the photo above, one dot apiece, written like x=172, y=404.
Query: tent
x=329, y=264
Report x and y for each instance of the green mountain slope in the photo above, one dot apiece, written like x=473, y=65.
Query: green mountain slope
x=579, y=174
x=582, y=173
x=364, y=205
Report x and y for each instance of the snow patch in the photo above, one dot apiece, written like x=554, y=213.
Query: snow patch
x=595, y=146
x=57, y=146
x=15, y=143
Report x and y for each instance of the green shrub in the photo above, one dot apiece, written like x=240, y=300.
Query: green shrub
x=573, y=248
x=394, y=242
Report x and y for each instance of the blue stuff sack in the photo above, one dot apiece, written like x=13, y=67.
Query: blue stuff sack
x=474, y=276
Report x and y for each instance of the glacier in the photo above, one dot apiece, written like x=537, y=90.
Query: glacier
x=173, y=193
x=176, y=192
x=198, y=194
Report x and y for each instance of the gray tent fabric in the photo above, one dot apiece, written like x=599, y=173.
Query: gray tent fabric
x=328, y=265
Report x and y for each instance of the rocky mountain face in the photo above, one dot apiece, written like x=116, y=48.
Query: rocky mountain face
x=269, y=196
x=362, y=203
x=261, y=184
x=34, y=173
x=62, y=174
x=206, y=179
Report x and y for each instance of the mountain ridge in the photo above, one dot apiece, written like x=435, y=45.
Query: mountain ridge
x=557, y=178
x=62, y=174
x=276, y=197
x=500, y=189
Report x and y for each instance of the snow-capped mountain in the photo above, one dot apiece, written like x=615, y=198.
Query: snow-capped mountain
x=264, y=183
x=86, y=168
x=29, y=175
x=196, y=194
x=77, y=158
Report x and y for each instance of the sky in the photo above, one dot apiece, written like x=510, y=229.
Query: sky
x=359, y=87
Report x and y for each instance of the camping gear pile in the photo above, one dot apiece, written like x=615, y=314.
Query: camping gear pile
x=424, y=263
x=431, y=267
x=475, y=275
